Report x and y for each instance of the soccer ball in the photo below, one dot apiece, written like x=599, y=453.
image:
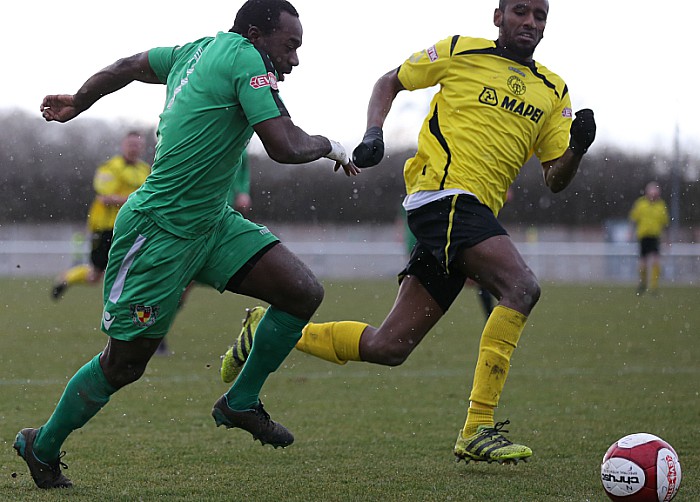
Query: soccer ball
x=641, y=468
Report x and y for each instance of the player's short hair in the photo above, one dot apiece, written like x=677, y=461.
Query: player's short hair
x=502, y=4
x=265, y=14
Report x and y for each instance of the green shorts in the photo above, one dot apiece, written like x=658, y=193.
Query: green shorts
x=149, y=268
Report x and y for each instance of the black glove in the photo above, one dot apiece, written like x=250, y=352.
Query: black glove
x=371, y=151
x=582, y=131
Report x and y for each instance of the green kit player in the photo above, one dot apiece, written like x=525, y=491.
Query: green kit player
x=178, y=227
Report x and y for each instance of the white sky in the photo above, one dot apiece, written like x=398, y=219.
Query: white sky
x=634, y=63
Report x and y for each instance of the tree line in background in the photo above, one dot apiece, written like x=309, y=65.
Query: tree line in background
x=47, y=172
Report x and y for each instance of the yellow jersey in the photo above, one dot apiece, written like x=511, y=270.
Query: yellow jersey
x=489, y=116
x=114, y=177
x=650, y=217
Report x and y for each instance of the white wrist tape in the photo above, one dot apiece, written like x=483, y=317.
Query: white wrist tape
x=338, y=153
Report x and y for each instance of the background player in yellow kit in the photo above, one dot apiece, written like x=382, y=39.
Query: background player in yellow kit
x=113, y=182
x=650, y=218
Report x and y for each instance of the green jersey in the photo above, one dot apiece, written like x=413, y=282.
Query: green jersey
x=241, y=184
x=217, y=89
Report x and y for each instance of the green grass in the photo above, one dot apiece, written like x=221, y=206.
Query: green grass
x=594, y=364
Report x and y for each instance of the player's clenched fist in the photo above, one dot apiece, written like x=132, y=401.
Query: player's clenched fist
x=371, y=151
x=582, y=131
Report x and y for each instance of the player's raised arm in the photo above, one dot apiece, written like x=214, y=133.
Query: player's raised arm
x=371, y=150
x=64, y=107
x=560, y=172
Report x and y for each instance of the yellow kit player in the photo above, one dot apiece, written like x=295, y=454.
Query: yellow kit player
x=494, y=109
x=113, y=182
x=650, y=217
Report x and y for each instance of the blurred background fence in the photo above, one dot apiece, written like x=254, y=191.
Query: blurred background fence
x=372, y=251
x=352, y=227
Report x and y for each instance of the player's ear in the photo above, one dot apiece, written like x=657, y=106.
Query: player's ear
x=497, y=17
x=253, y=34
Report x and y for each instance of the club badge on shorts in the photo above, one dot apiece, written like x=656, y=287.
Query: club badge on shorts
x=144, y=315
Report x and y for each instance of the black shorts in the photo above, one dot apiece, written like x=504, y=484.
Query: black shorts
x=235, y=281
x=101, y=242
x=648, y=245
x=443, y=228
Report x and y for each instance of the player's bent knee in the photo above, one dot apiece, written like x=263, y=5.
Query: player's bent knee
x=121, y=372
x=306, y=300
x=395, y=358
x=314, y=293
x=121, y=376
x=532, y=293
x=528, y=295
x=387, y=353
x=523, y=295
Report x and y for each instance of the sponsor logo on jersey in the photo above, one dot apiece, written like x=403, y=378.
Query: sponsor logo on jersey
x=567, y=113
x=523, y=109
x=107, y=319
x=516, y=85
x=517, y=70
x=432, y=53
x=489, y=97
x=264, y=81
x=144, y=315
x=184, y=81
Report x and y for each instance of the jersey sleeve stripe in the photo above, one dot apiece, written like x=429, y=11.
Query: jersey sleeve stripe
x=275, y=93
x=455, y=39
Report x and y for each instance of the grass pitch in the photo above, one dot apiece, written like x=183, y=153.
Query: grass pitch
x=594, y=364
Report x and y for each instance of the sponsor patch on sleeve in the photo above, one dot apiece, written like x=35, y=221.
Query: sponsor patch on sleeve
x=432, y=53
x=263, y=81
x=567, y=113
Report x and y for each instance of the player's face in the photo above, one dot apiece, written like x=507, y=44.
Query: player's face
x=132, y=148
x=521, y=25
x=282, y=44
x=653, y=192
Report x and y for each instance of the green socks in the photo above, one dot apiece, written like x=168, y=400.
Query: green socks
x=86, y=393
x=275, y=337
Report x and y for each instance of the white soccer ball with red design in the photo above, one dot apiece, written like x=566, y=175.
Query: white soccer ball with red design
x=641, y=468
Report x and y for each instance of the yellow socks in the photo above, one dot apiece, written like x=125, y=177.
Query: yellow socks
x=498, y=341
x=77, y=275
x=642, y=277
x=477, y=415
x=337, y=342
x=655, y=274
